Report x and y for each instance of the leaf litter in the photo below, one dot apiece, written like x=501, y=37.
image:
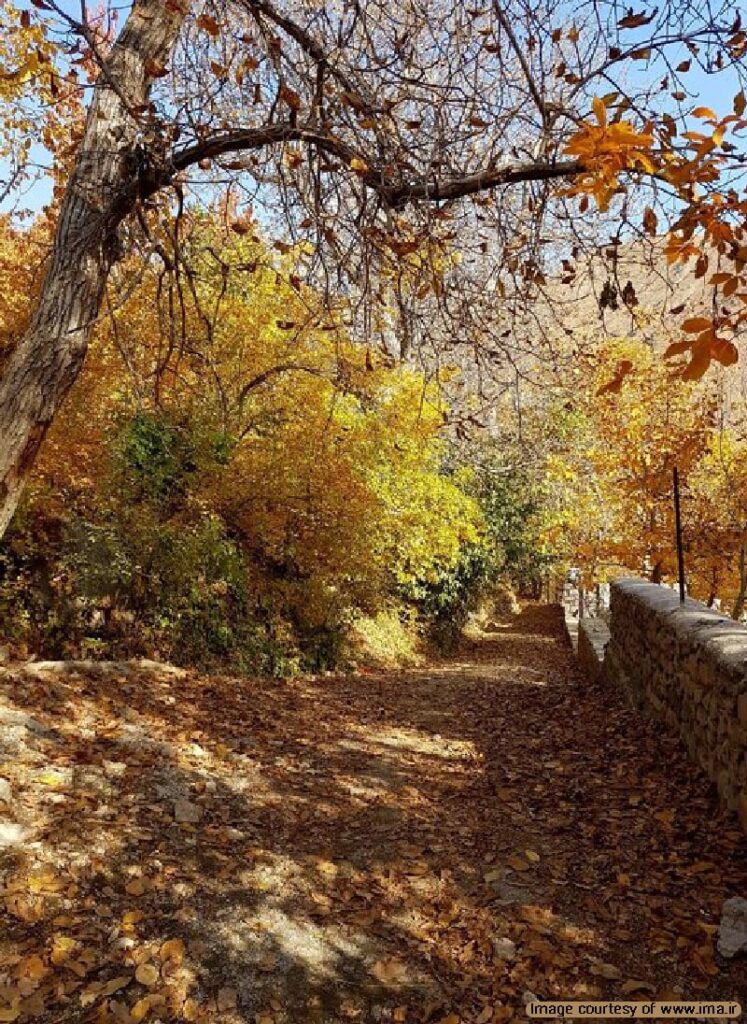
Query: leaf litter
x=431, y=845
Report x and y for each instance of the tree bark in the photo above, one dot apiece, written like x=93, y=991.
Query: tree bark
x=104, y=187
x=738, y=610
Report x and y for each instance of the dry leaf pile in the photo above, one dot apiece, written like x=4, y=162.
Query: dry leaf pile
x=440, y=844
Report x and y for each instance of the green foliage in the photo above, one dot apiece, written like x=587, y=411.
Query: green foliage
x=163, y=569
x=445, y=598
x=158, y=455
x=387, y=639
x=512, y=503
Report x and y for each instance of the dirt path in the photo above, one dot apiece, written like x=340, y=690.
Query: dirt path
x=422, y=845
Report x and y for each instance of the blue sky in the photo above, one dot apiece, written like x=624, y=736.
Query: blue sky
x=715, y=91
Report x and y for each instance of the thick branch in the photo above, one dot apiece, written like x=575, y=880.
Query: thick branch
x=275, y=371
x=394, y=195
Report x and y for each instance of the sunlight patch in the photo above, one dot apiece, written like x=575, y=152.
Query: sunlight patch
x=434, y=745
x=273, y=934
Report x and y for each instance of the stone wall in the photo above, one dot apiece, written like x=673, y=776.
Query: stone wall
x=686, y=665
x=581, y=603
x=593, y=637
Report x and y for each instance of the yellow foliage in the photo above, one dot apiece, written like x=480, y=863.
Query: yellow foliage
x=332, y=477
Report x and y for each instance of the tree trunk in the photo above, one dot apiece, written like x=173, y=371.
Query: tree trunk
x=738, y=611
x=104, y=187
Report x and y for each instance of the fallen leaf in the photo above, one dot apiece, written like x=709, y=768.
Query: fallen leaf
x=608, y=971
x=173, y=950
x=389, y=971
x=227, y=999
x=147, y=974
x=635, y=985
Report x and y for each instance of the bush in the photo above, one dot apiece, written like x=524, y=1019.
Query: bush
x=446, y=598
x=390, y=638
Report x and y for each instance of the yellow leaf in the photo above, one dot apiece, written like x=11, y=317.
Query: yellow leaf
x=634, y=985
x=704, y=112
x=147, y=974
x=173, y=950
x=517, y=863
x=32, y=967
x=600, y=110
x=358, y=165
x=190, y=1010
x=141, y=1009
x=120, y=982
x=62, y=948
x=608, y=971
x=51, y=779
x=389, y=971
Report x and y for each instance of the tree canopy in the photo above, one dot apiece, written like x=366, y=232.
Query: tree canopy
x=435, y=159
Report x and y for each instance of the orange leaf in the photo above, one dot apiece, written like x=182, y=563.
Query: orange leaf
x=650, y=221
x=677, y=348
x=725, y=352
x=700, y=360
x=600, y=110
x=697, y=324
x=209, y=24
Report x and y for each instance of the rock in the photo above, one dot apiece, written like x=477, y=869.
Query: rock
x=504, y=949
x=12, y=835
x=732, y=929
x=6, y=792
x=54, y=798
x=186, y=812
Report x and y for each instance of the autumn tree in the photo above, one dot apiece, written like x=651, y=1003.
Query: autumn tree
x=248, y=484
x=366, y=130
